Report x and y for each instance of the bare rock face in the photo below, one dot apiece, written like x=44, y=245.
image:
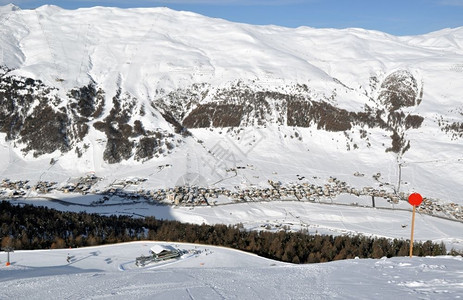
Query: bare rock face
x=399, y=90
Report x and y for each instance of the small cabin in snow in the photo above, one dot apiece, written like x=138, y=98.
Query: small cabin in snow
x=164, y=252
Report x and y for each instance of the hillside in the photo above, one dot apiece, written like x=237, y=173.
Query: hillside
x=177, y=98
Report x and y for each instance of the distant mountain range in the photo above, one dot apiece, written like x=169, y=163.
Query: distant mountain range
x=122, y=92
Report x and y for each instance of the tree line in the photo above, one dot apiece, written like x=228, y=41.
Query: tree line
x=27, y=227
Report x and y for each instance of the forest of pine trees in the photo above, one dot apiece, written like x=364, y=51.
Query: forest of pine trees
x=31, y=227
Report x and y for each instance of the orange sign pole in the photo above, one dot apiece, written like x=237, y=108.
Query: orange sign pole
x=413, y=228
x=414, y=199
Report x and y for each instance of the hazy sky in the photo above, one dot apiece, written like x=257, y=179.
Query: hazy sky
x=398, y=17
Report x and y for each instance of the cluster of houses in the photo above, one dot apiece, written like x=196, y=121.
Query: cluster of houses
x=14, y=189
x=44, y=187
x=334, y=187
x=82, y=185
x=194, y=195
x=20, y=188
x=432, y=207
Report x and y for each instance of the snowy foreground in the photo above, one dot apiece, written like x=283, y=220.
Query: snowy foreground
x=219, y=273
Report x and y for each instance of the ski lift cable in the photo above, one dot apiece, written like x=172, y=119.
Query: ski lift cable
x=450, y=160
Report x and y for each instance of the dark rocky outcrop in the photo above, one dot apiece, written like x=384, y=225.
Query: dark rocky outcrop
x=29, y=114
x=45, y=131
x=33, y=115
x=400, y=90
x=214, y=115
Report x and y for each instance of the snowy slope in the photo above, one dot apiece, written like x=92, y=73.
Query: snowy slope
x=219, y=273
x=141, y=48
x=164, y=61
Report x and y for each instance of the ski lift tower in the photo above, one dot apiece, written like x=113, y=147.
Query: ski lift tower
x=8, y=250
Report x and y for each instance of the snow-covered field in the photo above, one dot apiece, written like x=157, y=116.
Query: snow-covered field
x=218, y=273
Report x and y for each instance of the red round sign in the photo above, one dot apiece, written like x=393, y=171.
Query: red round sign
x=415, y=199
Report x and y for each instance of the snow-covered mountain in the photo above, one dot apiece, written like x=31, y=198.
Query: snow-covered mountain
x=176, y=97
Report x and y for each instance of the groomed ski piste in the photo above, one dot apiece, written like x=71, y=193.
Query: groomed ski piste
x=207, y=272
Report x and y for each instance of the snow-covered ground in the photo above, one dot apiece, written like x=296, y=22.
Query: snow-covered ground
x=142, y=51
x=219, y=273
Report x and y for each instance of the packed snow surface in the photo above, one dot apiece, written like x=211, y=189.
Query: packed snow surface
x=205, y=272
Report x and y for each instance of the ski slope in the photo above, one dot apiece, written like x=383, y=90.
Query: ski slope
x=220, y=273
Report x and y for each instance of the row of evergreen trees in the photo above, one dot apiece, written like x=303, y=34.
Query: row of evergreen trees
x=31, y=227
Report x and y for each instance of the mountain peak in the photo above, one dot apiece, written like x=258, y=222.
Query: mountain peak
x=9, y=7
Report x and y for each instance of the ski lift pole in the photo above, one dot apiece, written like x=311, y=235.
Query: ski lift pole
x=414, y=199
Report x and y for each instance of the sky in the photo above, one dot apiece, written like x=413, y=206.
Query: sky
x=397, y=17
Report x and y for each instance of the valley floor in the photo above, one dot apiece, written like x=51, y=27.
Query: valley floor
x=318, y=218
